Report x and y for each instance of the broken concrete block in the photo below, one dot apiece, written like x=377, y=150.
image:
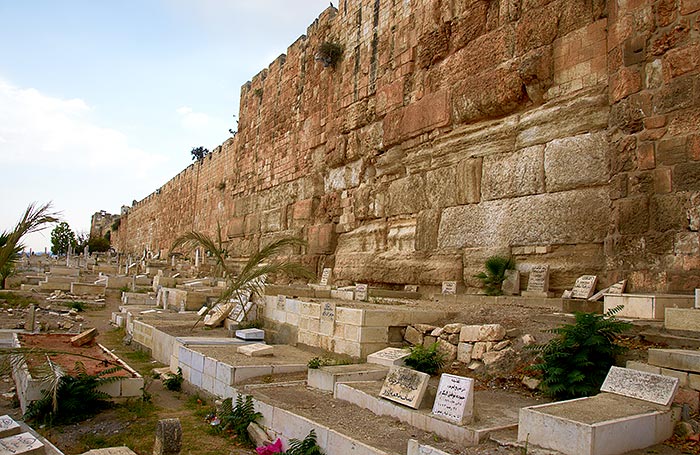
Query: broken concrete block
x=84, y=338
x=485, y=332
x=256, y=350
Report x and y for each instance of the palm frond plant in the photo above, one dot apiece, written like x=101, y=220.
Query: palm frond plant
x=495, y=274
x=250, y=280
x=215, y=247
x=35, y=218
x=72, y=398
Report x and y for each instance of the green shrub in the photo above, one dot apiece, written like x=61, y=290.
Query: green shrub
x=574, y=363
x=76, y=305
x=174, y=381
x=428, y=360
x=495, y=273
x=237, y=418
x=306, y=446
x=74, y=398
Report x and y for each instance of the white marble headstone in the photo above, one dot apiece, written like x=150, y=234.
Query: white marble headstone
x=361, y=292
x=405, y=386
x=449, y=287
x=281, y=302
x=250, y=334
x=325, y=276
x=455, y=399
x=21, y=444
x=641, y=385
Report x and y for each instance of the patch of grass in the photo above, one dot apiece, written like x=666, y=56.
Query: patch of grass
x=76, y=305
x=94, y=441
x=17, y=300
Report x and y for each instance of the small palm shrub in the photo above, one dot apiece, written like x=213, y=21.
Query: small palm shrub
x=174, y=381
x=427, y=360
x=495, y=273
x=73, y=398
x=237, y=418
x=574, y=363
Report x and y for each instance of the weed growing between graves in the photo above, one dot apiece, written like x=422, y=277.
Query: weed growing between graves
x=306, y=446
x=318, y=362
x=16, y=300
x=76, y=305
x=428, y=360
x=72, y=398
x=495, y=273
x=574, y=363
x=174, y=381
x=236, y=418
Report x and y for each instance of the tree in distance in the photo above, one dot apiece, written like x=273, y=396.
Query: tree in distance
x=198, y=153
x=62, y=239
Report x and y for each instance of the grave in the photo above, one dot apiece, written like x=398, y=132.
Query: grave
x=21, y=444
x=584, y=287
x=8, y=427
x=168, y=437
x=646, y=306
x=389, y=357
x=631, y=412
x=511, y=283
x=538, y=282
x=325, y=378
x=449, y=287
x=454, y=400
x=250, y=334
x=325, y=276
x=256, y=350
x=405, y=386
x=361, y=292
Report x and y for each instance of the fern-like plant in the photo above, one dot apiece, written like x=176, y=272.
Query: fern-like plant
x=237, y=418
x=174, y=381
x=495, y=273
x=74, y=398
x=428, y=360
x=574, y=363
x=306, y=446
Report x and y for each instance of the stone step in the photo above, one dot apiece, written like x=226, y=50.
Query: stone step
x=676, y=359
x=21, y=444
x=670, y=340
x=682, y=319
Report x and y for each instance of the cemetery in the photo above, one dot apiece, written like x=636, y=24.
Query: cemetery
x=440, y=228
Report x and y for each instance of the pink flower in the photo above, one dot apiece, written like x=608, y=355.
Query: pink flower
x=270, y=448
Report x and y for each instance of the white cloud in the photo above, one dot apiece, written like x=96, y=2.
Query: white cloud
x=191, y=120
x=42, y=131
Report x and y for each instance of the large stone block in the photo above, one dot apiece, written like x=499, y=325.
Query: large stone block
x=558, y=218
x=484, y=332
x=432, y=111
x=677, y=359
x=487, y=95
x=576, y=162
x=514, y=174
x=322, y=238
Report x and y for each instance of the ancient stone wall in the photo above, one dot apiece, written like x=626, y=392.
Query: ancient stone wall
x=564, y=132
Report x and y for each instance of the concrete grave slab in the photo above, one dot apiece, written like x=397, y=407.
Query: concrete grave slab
x=256, y=350
x=21, y=444
x=389, y=357
x=405, y=386
x=250, y=334
x=325, y=378
x=677, y=359
x=8, y=427
x=646, y=306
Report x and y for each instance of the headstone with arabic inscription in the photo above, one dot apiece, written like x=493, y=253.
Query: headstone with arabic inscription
x=538, y=282
x=405, y=386
x=511, y=283
x=584, y=287
x=21, y=444
x=361, y=292
x=449, y=287
x=325, y=276
x=389, y=357
x=281, y=302
x=455, y=399
x=8, y=426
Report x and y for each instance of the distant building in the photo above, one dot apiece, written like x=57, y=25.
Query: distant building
x=102, y=223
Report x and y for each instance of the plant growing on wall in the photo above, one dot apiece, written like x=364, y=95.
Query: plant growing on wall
x=329, y=54
x=495, y=273
x=198, y=153
x=426, y=359
x=574, y=363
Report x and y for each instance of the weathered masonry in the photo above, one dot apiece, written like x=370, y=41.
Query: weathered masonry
x=564, y=132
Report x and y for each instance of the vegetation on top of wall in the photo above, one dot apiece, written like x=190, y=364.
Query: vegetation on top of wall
x=329, y=54
x=426, y=359
x=198, y=153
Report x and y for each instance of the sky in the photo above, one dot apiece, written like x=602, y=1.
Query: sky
x=102, y=101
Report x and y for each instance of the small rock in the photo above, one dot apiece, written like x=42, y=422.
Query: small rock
x=464, y=352
x=683, y=429
x=453, y=338
x=453, y=328
x=501, y=346
x=437, y=332
x=73, y=312
x=528, y=339
x=413, y=336
x=79, y=318
x=475, y=365
x=531, y=383
x=448, y=349
x=428, y=340
x=481, y=348
x=424, y=328
x=492, y=357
